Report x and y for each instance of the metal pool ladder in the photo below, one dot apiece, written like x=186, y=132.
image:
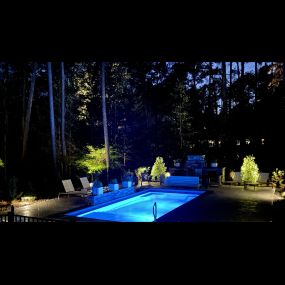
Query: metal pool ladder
x=154, y=211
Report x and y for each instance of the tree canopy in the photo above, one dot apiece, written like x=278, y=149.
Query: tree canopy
x=223, y=110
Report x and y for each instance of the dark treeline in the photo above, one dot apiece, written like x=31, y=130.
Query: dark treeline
x=169, y=109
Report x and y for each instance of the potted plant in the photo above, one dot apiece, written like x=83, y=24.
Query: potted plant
x=114, y=185
x=127, y=181
x=141, y=172
x=97, y=188
x=177, y=162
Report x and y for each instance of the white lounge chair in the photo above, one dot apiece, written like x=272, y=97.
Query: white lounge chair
x=85, y=183
x=69, y=190
x=263, y=178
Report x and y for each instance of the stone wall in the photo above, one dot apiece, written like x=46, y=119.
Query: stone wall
x=106, y=197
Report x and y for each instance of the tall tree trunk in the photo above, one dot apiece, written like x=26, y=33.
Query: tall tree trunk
x=115, y=122
x=104, y=113
x=5, y=135
x=214, y=93
x=210, y=99
x=51, y=108
x=29, y=110
x=5, y=127
x=256, y=82
x=23, y=102
x=243, y=96
x=194, y=77
x=180, y=124
x=63, y=146
x=231, y=82
x=215, y=100
x=242, y=69
x=224, y=88
x=238, y=73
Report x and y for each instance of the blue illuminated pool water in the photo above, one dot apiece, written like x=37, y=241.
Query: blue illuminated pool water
x=139, y=208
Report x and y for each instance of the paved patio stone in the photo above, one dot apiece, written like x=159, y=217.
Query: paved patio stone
x=219, y=204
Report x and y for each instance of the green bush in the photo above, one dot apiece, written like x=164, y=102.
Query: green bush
x=249, y=170
x=142, y=169
x=158, y=168
x=277, y=176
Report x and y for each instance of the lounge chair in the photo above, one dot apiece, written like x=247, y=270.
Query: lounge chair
x=263, y=178
x=85, y=183
x=69, y=190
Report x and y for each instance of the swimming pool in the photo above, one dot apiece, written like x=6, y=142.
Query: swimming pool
x=140, y=207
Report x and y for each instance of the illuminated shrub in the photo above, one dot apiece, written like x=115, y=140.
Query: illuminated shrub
x=94, y=160
x=277, y=177
x=158, y=168
x=249, y=170
x=142, y=170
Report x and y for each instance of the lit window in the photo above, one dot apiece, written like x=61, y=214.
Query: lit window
x=247, y=141
x=238, y=142
x=262, y=141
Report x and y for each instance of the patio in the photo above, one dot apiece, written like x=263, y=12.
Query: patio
x=221, y=204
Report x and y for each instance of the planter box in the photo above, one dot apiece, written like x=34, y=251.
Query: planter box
x=127, y=184
x=113, y=187
x=97, y=191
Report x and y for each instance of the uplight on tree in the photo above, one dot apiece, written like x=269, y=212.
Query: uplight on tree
x=249, y=170
x=94, y=161
x=277, y=177
x=158, y=168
